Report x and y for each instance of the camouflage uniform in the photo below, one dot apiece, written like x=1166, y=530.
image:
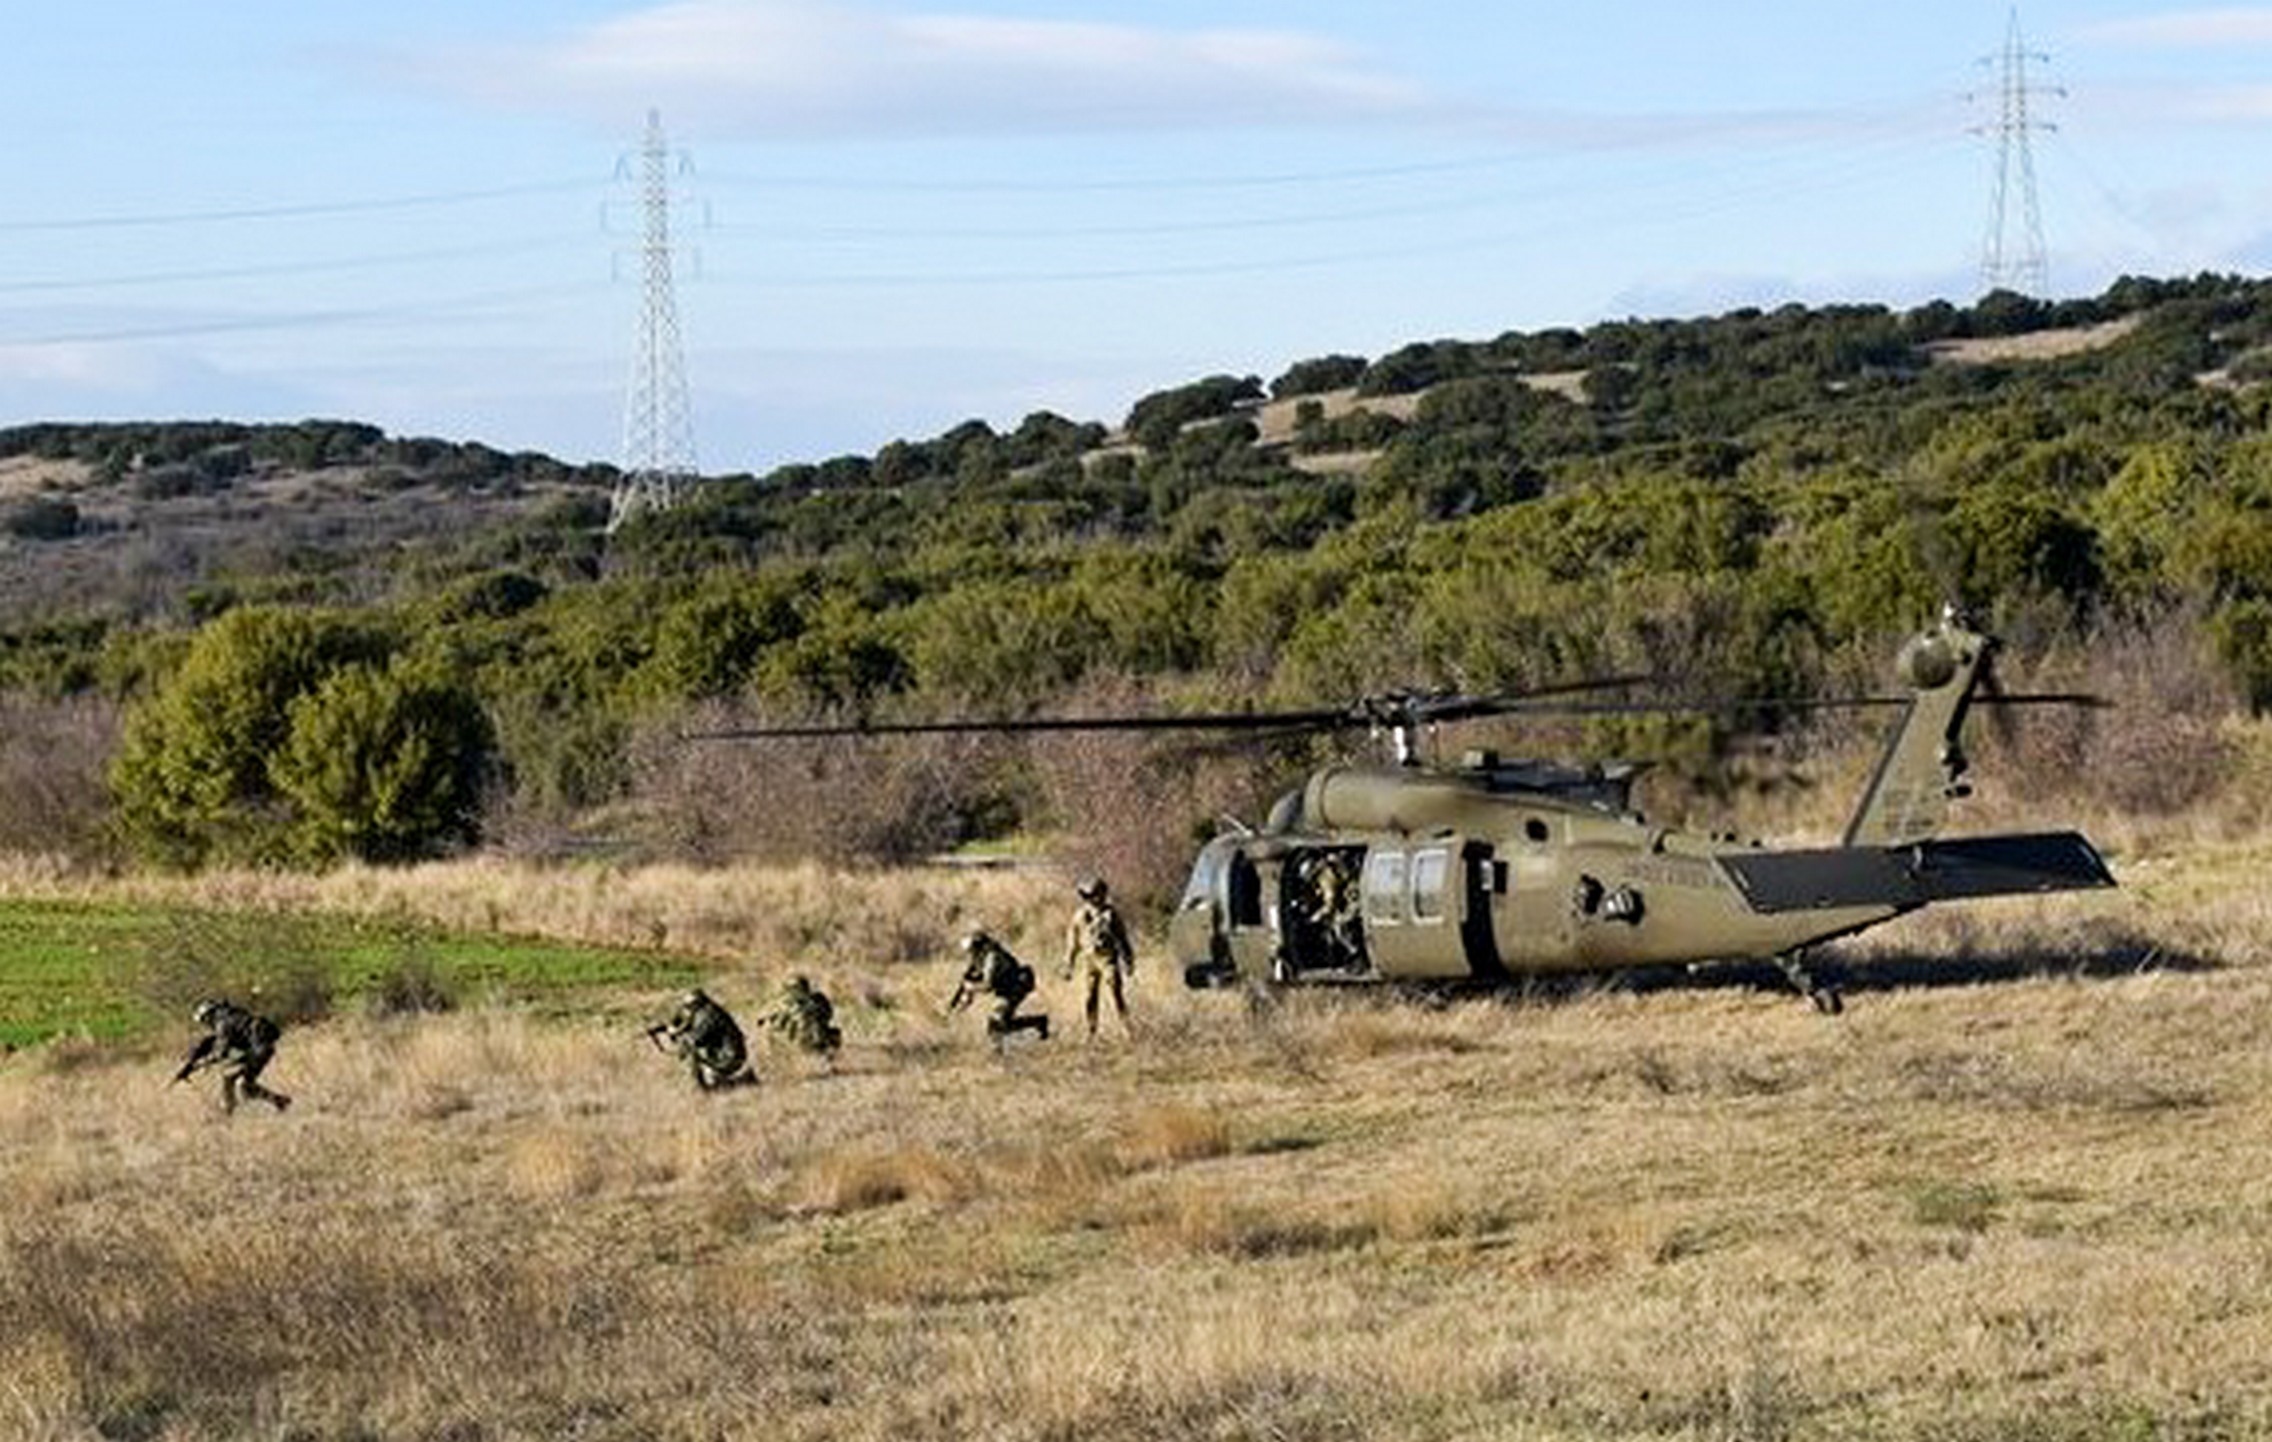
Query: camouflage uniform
x=1098, y=944
x=996, y=971
x=710, y=1040
x=805, y=1016
x=1335, y=916
x=241, y=1045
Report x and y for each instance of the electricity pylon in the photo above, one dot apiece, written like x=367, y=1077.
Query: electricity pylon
x=658, y=427
x=2004, y=266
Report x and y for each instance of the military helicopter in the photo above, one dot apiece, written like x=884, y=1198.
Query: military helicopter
x=1493, y=871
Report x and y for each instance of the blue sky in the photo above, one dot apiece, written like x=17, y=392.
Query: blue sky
x=895, y=215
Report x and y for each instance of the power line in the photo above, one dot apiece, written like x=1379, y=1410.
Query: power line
x=1251, y=180
x=1841, y=167
x=294, y=211
x=526, y=246
x=301, y=320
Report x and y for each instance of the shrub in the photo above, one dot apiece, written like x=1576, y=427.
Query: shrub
x=2242, y=633
x=42, y=518
x=289, y=734
x=384, y=765
x=192, y=781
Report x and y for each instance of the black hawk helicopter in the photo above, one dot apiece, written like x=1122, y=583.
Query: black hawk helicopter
x=1495, y=871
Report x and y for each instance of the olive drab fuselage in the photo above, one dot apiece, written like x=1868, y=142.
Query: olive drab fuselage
x=1494, y=871
x=1455, y=882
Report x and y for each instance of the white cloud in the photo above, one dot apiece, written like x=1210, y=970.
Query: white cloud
x=2186, y=29
x=769, y=68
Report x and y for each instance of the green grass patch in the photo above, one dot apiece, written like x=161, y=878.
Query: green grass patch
x=1961, y=1206
x=114, y=971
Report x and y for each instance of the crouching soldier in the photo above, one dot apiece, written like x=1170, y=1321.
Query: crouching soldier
x=805, y=1015
x=241, y=1045
x=996, y=972
x=708, y=1038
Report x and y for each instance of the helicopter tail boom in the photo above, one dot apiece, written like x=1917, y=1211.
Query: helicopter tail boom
x=1911, y=876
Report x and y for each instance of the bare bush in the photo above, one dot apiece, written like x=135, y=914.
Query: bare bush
x=1131, y=807
x=2161, y=746
x=834, y=799
x=54, y=756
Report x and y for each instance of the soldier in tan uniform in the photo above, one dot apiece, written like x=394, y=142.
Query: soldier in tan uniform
x=1097, y=945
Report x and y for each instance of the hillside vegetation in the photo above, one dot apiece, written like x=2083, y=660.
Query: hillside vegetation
x=232, y=644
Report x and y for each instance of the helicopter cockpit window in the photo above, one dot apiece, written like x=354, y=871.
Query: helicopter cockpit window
x=1429, y=871
x=1206, y=874
x=1384, y=888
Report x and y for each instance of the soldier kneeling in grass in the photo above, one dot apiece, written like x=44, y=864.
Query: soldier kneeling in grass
x=241, y=1044
x=806, y=1016
x=994, y=970
x=706, y=1035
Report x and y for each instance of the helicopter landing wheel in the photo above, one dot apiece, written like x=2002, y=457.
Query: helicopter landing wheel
x=1827, y=1000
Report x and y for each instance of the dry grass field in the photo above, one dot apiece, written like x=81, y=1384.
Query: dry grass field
x=2021, y=1189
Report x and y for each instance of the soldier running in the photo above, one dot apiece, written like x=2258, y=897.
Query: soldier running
x=805, y=1015
x=706, y=1035
x=1098, y=944
x=994, y=970
x=241, y=1044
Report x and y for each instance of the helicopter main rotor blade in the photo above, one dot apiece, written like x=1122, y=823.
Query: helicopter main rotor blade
x=1416, y=708
x=1426, y=709
x=1410, y=709
x=1196, y=721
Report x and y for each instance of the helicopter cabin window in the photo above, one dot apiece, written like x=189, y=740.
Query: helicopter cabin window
x=1384, y=888
x=1245, y=891
x=1429, y=871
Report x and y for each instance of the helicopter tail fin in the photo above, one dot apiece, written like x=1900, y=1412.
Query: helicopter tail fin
x=1924, y=764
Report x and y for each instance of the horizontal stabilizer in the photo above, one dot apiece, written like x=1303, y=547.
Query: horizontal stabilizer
x=1912, y=875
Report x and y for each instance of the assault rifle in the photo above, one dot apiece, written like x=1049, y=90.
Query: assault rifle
x=203, y=1055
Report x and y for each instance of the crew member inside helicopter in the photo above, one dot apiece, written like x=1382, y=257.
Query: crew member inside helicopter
x=1322, y=927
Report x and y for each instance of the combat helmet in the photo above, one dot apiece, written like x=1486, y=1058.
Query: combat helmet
x=206, y=1012
x=1091, y=888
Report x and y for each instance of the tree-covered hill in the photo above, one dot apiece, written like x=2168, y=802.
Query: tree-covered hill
x=299, y=642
